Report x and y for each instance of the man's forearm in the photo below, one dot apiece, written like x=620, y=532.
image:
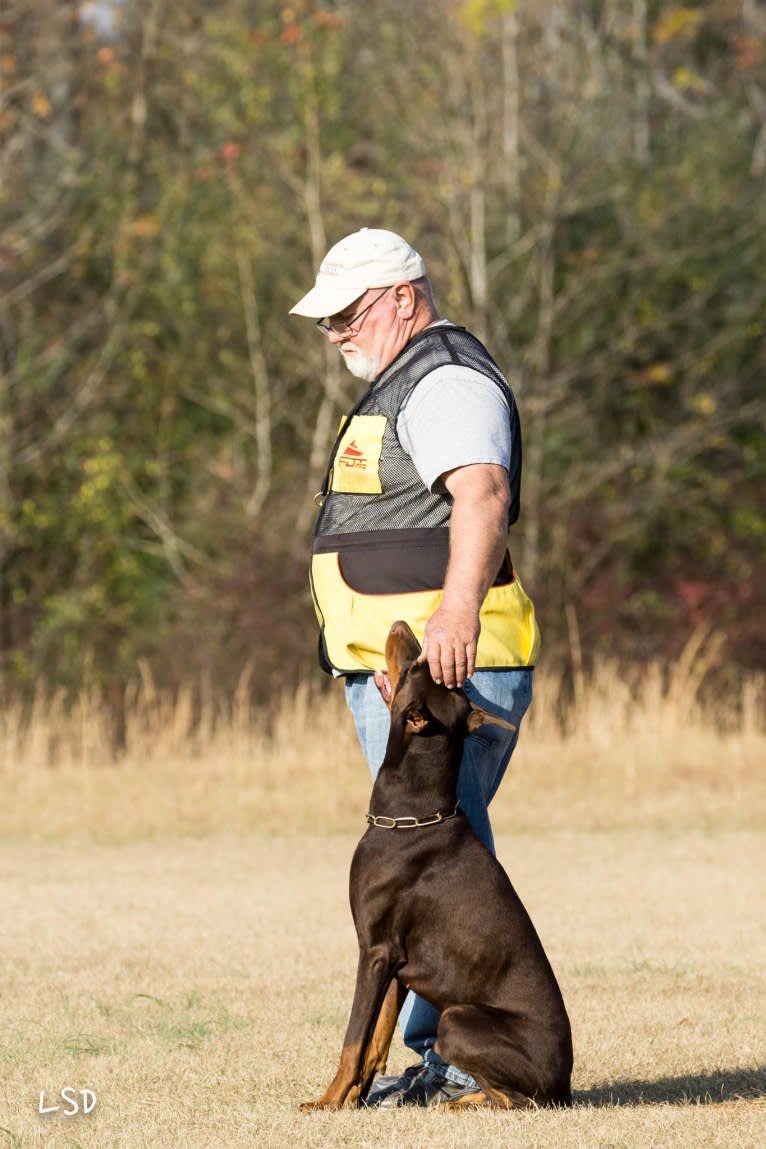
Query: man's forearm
x=478, y=539
x=478, y=532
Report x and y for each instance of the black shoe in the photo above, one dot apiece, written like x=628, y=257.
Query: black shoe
x=383, y=1086
x=424, y=1086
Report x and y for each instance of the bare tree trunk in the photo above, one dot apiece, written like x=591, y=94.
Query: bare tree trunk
x=6, y=427
x=477, y=145
x=754, y=21
x=511, y=150
x=538, y=403
x=641, y=137
x=332, y=391
x=261, y=387
x=478, y=265
x=150, y=28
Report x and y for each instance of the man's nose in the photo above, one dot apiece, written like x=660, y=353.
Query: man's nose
x=335, y=336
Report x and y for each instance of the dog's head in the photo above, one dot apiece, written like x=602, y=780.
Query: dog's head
x=420, y=703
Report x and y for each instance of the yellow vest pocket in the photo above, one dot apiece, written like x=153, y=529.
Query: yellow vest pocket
x=355, y=470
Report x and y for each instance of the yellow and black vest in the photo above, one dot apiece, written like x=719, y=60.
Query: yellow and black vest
x=381, y=541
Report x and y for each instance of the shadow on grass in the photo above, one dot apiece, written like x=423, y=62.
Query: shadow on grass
x=691, y=1089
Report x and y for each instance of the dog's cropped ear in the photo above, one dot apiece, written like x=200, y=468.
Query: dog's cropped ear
x=415, y=719
x=480, y=717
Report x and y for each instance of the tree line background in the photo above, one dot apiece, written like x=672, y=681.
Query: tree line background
x=587, y=183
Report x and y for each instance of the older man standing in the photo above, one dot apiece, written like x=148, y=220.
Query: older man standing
x=421, y=489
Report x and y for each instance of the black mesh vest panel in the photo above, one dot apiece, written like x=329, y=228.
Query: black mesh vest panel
x=405, y=503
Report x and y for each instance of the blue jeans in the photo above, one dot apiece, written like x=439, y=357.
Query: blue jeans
x=486, y=755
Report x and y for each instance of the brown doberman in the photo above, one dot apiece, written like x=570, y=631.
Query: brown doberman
x=436, y=913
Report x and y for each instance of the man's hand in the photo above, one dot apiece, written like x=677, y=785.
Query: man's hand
x=449, y=645
x=383, y=683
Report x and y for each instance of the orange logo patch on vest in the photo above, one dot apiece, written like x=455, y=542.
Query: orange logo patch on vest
x=353, y=457
x=356, y=462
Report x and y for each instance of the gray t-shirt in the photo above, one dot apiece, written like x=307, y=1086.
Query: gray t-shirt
x=454, y=417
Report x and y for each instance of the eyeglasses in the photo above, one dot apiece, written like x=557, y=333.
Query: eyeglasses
x=346, y=327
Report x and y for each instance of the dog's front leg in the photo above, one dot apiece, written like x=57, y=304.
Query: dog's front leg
x=364, y=1041
x=380, y=1042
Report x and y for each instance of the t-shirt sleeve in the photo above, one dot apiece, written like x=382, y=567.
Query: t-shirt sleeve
x=454, y=417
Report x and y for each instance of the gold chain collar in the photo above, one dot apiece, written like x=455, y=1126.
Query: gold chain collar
x=409, y=822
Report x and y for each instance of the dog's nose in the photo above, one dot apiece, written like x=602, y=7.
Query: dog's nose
x=402, y=637
x=402, y=631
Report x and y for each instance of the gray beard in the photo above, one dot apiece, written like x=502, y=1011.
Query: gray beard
x=363, y=366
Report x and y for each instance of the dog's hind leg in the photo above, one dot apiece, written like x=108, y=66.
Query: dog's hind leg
x=487, y=1043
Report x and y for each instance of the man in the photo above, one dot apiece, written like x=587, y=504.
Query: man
x=421, y=488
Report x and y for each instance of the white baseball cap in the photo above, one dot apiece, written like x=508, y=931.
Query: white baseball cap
x=368, y=258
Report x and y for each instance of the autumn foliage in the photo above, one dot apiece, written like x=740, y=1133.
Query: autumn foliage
x=586, y=182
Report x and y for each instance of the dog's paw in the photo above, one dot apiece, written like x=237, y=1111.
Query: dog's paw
x=322, y=1103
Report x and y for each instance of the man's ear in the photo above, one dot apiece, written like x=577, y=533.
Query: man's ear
x=405, y=299
x=480, y=717
x=415, y=720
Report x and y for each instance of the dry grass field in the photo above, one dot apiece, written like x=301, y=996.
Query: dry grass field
x=175, y=937
x=200, y=989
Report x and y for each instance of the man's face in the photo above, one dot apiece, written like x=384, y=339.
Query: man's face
x=365, y=333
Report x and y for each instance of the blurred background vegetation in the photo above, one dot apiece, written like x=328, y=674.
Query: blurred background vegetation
x=587, y=182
